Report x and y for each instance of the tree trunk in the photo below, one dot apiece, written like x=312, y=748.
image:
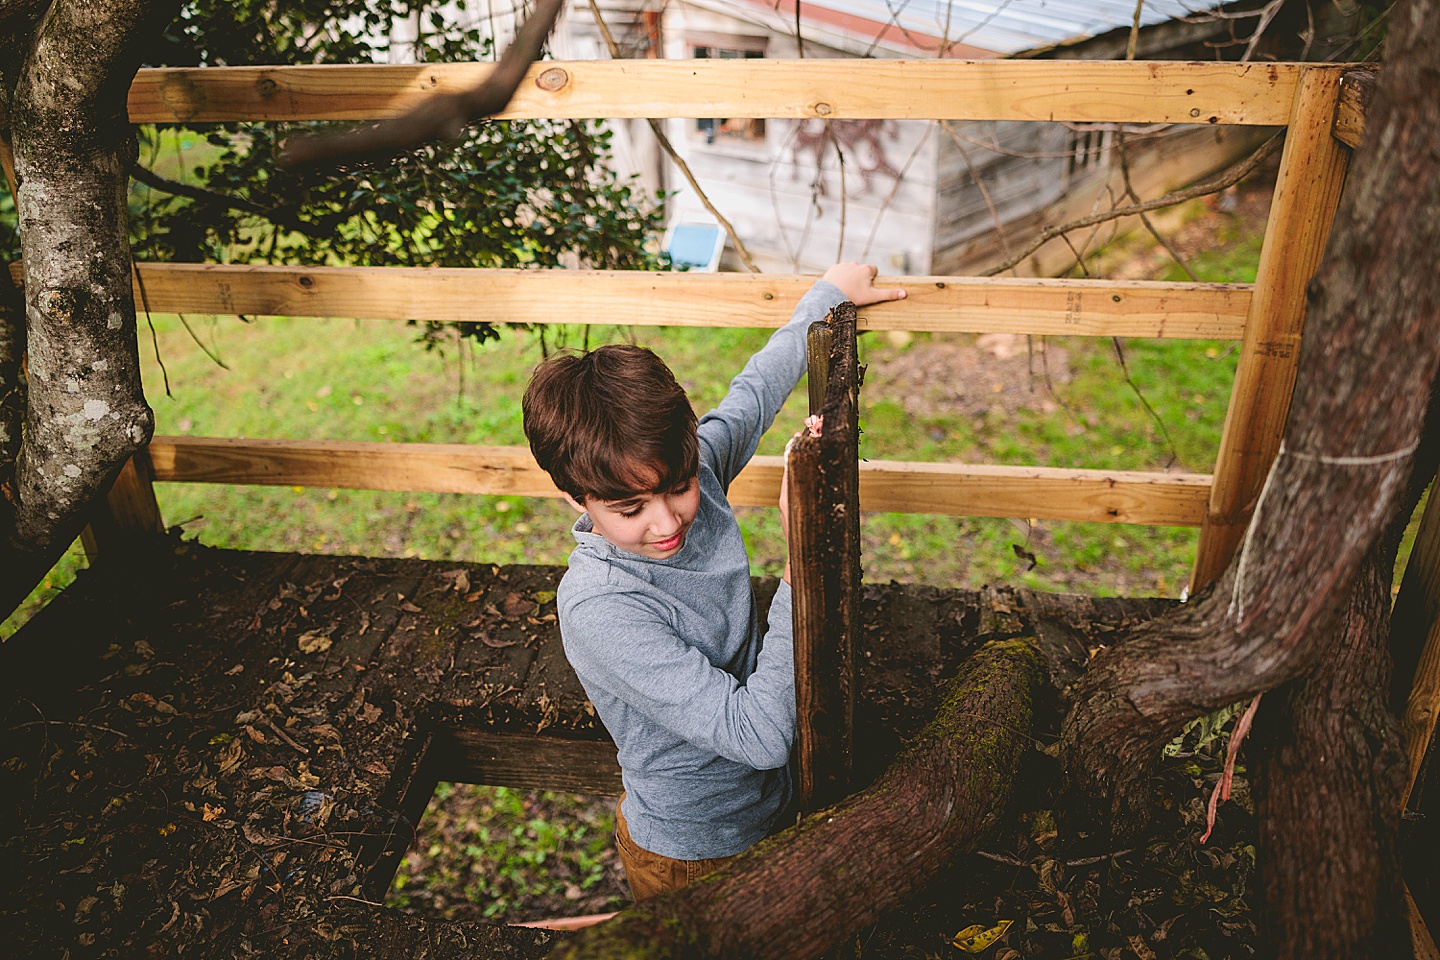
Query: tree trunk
x=85, y=410
x=803, y=891
x=1327, y=782
x=1367, y=362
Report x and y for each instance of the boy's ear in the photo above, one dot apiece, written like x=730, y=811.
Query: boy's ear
x=579, y=507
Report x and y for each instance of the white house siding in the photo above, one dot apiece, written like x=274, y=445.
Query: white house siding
x=786, y=194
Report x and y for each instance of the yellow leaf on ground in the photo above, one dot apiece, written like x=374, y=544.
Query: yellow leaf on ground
x=314, y=641
x=976, y=939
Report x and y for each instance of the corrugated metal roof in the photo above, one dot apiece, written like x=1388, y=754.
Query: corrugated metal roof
x=1001, y=26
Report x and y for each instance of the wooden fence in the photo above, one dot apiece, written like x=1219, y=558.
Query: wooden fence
x=1266, y=316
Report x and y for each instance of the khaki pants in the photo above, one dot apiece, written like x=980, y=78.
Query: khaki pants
x=650, y=874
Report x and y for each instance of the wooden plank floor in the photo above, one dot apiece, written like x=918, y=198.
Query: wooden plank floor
x=233, y=748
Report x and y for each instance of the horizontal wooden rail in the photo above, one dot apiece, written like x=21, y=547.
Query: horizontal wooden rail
x=1075, y=90
x=1100, y=496
x=1099, y=308
x=526, y=761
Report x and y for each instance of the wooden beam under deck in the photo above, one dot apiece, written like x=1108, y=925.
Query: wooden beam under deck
x=1083, y=91
x=1097, y=496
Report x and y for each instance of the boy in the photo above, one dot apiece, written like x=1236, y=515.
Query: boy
x=656, y=611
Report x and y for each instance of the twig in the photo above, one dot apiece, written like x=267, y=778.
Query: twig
x=1082, y=862
x=844, y=191
x=204, y=349
x=1232, y=176
x=984, y=192
x=150, y=322
x=1086, y=861
x=890, y=197
x=1125, y=370
x=675, y=157
x=1266, y=15
x=1130, y=192
x=71, y=723
x=441, y=116
x=286, y=737
x=1134, y=40
x=315, y=231
x=1001, y=858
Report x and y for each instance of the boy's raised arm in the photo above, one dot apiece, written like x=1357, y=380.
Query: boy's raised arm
x=730, y=433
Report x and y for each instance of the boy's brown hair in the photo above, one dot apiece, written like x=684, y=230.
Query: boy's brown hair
x=610, y=423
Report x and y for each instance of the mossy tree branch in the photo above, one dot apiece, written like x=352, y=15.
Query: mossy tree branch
x=840, y=869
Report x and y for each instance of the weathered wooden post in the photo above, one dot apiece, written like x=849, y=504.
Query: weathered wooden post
x=824, y=493
x=128, y=515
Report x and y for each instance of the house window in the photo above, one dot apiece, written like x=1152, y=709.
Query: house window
x=722, y=128
x=1087, y=150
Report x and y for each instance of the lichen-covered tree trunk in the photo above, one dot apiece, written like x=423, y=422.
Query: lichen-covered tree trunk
x=85, y=411
x=801, y=892
x=1367, y=363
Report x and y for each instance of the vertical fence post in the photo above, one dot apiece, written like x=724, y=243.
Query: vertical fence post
x=824, y=494
x=128, y=514
x=1307, y=193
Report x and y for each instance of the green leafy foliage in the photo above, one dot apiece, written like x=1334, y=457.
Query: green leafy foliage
x=505, y=194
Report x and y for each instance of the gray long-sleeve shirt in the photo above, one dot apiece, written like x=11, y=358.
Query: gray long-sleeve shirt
x=669, y=651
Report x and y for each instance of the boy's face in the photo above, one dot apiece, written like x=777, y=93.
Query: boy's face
x=651, y=524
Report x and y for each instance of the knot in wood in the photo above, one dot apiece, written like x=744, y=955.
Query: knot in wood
x=552, y=79
x=822, y=109
x=266, y=87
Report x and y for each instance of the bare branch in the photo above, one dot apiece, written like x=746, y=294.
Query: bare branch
x=1124, y=158
x=1266, y=15
x=442, y=116
x=283, y=218
x=1134, y=40
x=980, y=185
x=1232, y=176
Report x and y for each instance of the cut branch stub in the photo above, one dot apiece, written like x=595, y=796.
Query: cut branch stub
x=824, y=478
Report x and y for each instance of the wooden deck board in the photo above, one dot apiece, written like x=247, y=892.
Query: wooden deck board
x=245, y=741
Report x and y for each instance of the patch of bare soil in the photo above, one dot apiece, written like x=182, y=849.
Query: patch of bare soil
x=968, y=377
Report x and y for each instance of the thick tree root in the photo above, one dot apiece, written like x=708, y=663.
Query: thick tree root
x=801, y=892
